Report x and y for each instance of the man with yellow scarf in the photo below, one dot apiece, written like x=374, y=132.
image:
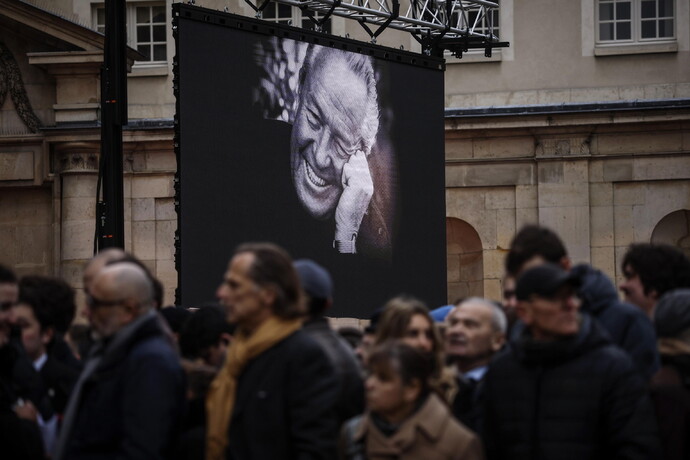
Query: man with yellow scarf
x=275, y=395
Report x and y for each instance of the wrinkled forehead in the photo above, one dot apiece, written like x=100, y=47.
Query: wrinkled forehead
x=331, y=70
x=473, y=310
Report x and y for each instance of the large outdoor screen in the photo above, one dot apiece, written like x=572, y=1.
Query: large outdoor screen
x=330, y=148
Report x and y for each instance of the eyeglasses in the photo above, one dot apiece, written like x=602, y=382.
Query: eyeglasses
x=4, y=306
x=94, y=302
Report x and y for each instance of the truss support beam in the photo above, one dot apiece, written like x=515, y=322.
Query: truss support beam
x=454, y=25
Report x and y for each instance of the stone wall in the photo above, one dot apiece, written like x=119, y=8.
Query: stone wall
x=601, y=181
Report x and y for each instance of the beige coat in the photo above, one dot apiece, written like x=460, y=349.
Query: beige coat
x=431, y=433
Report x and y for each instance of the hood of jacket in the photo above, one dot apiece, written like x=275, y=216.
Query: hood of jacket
x=597, y=291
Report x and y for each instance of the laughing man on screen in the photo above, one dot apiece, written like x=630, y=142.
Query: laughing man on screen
x=335, y=126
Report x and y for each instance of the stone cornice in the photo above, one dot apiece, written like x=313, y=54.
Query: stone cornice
x=56, y=26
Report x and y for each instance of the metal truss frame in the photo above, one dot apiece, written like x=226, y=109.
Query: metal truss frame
x=437, y=25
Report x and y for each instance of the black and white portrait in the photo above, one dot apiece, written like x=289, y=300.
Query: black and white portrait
x=342, y=164
x=333, y=152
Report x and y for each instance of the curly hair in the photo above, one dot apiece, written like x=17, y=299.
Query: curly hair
x=51, y=299
x=661, y=267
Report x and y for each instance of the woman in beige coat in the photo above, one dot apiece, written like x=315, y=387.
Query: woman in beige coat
x=405, y=419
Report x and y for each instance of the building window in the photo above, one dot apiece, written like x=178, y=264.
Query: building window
x=286, y=14
x=146, y=29
x=635, y=21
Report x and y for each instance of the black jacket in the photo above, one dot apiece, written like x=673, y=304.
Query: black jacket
x=19, y=438
x=351, y=395
x=627, y=325
x=284, y=404
x=130, y=402
x=578, y=398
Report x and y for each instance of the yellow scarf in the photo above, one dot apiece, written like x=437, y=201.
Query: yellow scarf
x=221, y=394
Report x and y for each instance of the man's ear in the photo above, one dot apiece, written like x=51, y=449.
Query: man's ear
x=498, y=339
x=267, y=294
x=47, y=335
x=565, y=263
x=524, y=312
x=225, y=338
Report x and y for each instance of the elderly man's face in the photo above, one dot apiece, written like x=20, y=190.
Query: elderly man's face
x=327, y=131
x=108, y=312
x=470, y=334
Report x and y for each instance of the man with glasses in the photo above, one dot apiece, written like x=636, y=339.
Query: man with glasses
x=129, y=398
x=563, y=389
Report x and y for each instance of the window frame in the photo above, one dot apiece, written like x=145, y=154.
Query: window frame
x=131, y=21
x=296, y=18
x=636, y=20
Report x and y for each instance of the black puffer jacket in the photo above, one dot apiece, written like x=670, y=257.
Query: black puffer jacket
x=579, y=398
x=627, y=326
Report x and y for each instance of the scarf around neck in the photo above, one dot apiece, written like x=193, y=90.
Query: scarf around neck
x=220, y=399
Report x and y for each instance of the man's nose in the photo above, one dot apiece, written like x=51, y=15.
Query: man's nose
x=572, y=303
x=322, y=149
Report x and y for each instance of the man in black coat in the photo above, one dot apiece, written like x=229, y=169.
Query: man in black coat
x=318, y=287
x=275, y=396
x=627, y=326
x=562, y=390
x=129, y=399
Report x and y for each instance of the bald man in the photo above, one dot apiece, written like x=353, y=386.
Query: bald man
x=128, y=401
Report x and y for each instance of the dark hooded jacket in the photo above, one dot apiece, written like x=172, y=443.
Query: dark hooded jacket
x=577, y=398
x=129, y=400
x=627, y=326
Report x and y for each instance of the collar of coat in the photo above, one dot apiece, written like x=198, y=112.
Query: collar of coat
x=430, y=421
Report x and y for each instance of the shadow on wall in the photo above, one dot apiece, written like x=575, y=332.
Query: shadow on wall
x=465, y=260
x=674, y=229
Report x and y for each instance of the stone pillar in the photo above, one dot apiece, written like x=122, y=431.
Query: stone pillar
x=77, y=166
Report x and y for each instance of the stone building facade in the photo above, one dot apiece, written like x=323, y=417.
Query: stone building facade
x=573, y=128
x=565, y=128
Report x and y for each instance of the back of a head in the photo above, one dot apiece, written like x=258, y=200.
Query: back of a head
x=131, y=282
x=203, y=329
x=317, y=284
x=661, y=267
x=155, y=283
x=51, y=299
x=672, y=314
x=272, y=268
x=532, y=241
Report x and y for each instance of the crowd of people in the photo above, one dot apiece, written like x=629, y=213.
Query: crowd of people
x=559, y=368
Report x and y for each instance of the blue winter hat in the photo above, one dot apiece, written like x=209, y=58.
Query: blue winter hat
x=316, y=281
x=439, y=314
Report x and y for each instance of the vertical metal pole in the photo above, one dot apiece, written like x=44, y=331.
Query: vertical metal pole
x=113, y=117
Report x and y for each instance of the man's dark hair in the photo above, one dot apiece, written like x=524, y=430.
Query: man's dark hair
x=661, y=267
x=157, y=285
x=272, y=268
x=531, y=241
x=203, y=329
x=51, y=299
x=7, y=275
